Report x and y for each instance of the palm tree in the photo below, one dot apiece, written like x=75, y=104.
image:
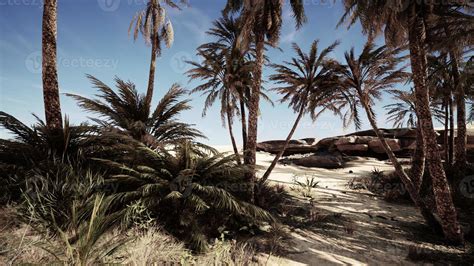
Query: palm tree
x=184, y=188
x=128, y=112
x=403, y=21
x=52, y=106
x=261, y=19
x=151, y=23
x=366, y=77
x=309, y=82
x=403, y=114
x=226, y=71
x=441, y=82
x=452, y=36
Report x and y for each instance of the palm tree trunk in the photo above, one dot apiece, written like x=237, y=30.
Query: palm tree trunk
x=232, y=139
x=410, y=187
x=461, y=140
x=243, y=115
x=154, y=47
x=441, y=189
x=287, y=141
x=451, y=130
x=251, y=151
x=419, y=159
x=52, y=106
x=446, y=131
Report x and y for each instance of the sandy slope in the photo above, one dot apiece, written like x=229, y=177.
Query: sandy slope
x=374, y=232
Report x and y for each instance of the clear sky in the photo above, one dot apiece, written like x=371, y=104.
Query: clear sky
x=93, y=39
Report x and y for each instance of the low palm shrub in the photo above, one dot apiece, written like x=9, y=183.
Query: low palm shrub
x=126, y=111
x=191, y=190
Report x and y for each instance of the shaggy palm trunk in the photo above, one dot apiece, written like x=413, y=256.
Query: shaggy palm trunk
x=251, y=151
x=461, y=140
x=154, y=48
x=52, y=106
x=451, y=130
x=232, y=139
x=287, y=141
x=410, y=187
x=419, y=159
x=441, y=189
x=243, y=115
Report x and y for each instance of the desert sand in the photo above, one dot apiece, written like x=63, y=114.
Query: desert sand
x=371, y=231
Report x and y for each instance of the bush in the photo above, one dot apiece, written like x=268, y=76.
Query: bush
x=192, y=191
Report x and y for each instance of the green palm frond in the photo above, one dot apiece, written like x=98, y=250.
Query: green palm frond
x=126, y=110
x=183, y=187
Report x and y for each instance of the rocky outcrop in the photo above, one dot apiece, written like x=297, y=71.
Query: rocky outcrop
x=327, y=152
x=303, y=146
x=322, y=159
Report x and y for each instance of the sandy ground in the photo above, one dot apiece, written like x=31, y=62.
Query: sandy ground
x=375, y=232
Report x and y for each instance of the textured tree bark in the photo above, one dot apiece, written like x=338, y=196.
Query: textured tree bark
x=441, y=189
x=243, y=118
x=446, y=131
x=410, y=187
x=52, y=106
x=451, y=130
x=288, y=138
x=154, y=47
x=461, y=140
x=419, y=160
x=251, y=151
x=232, y=139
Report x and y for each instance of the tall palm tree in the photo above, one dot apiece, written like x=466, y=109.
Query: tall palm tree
x=309, y=82
x=406, y=21
x=366, y=77
x=128, y=112
x=226, y=71
x=403, y=114
x=151, y=23
x=452, y=36
x=262, y=19
x=52, y=106
x=441, y=83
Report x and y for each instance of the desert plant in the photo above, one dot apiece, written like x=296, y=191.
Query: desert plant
x=185, y=188
x=85, y=242
x=306, y=187
x=127, y=112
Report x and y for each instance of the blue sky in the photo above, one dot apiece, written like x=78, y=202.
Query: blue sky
x=93, y=39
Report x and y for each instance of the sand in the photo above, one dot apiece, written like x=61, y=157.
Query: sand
x=374, y=232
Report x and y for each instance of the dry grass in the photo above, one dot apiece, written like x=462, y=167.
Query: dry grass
x=20, y=244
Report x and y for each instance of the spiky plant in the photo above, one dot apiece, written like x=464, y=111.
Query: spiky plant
x=89, y=240
x=50, y=196
x=191, y=190
x=127, y=112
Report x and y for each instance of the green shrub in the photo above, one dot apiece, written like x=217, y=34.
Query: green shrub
x=191, y=190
